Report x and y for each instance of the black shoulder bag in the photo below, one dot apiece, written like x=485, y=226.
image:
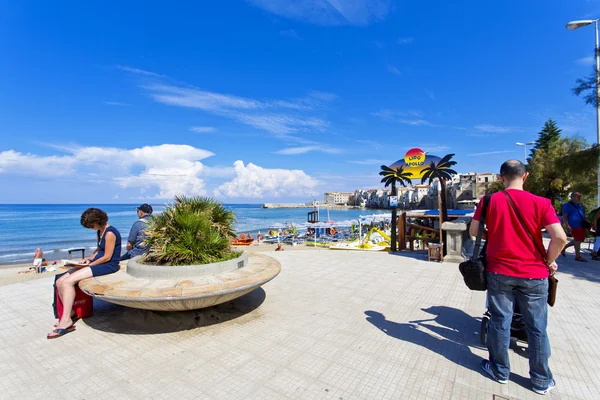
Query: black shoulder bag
x=473, y=270
x=552, y=281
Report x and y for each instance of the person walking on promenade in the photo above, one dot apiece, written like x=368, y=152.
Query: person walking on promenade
x=104, y=261
x=137, y=237
x=517, y=273
x=575, y=220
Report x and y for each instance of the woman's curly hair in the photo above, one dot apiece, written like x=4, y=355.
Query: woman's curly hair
x=93, y=216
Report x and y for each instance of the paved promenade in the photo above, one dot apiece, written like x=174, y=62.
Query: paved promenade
x=333, y=325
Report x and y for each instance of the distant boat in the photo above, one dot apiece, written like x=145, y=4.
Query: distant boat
x=242, y=241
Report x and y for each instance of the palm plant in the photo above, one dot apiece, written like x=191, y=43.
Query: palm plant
x=192, y=230
x=442, y=172
x=391, y=176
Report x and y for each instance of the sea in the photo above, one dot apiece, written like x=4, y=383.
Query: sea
x=55, y=227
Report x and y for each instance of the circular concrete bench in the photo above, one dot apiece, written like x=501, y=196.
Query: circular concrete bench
x=177, y=288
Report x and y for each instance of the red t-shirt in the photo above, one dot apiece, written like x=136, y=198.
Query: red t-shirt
x=509, y=249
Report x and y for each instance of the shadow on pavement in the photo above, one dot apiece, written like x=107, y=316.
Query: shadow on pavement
x=458, y=330
x=582, y=270
x=114, y=318
x=416, y=254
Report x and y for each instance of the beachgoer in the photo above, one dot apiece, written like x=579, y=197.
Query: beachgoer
x=573, y=218
x=517, y=273
x=136, y=245
x=37, y=259
x=249, y=235
x=279, y=247
x=105, y=260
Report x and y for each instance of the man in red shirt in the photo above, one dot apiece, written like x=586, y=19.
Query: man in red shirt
x=517, y=272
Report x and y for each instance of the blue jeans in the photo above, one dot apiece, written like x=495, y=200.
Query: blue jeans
x=531, y=295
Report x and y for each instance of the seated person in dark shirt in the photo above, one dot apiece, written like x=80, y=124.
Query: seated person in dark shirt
x=135, y=241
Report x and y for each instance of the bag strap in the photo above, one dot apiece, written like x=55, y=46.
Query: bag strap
x=477, y=249
x=579, y=210
x=541, y=249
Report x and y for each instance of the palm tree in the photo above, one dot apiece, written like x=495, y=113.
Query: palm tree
x=391, y=176
x=442, y=172
x=192, y=230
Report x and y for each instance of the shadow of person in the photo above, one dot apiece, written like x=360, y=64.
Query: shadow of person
x=456, y=324
x=452, y=349
x=114, y=318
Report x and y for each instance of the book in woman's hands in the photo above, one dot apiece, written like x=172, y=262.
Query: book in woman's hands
x=73, y=263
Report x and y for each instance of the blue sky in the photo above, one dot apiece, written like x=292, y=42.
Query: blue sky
x=266, y=100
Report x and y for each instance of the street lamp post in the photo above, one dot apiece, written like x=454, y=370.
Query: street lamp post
x=525, y=145
x=576, y=25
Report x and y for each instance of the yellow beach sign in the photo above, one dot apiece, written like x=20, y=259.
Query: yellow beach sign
x=415, y=161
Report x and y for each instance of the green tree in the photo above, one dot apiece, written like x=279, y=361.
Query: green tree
x=566, y=165
x=442, y=172
x=586, y=88
x=494, y=187
x=192, y=230
x=550, y=133
x=391, y=176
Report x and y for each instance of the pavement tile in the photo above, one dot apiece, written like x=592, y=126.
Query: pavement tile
x=332, y=325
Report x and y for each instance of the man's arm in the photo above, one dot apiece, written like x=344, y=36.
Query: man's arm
x=474, y=229
x=558, y=239
x=133, y=233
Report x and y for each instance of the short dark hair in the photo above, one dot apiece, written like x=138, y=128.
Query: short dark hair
x=93, y=216
x=512, y=169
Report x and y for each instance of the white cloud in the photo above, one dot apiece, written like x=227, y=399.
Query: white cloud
x=306, y=149
x=393, y=70
x=168, y=169
x=202, y=99
x=13, y=162
x=586, y=61
x=248, y=111
x=328, y=12
x=202, y=129
x=324, y=96
x=430, y=94
x=378, y=44
x=497, y=129
x=252, y=181
x=290, y=33
x=116, y=103
x=137, y=71
x=370, y=161
x=412, y=118
x=279, y=123
x=404, y=40
x=489, y=153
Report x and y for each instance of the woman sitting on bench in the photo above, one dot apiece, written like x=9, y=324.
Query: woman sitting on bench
x=105, y=260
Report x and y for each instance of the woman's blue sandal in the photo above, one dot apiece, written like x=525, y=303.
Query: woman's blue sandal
x=60, y=332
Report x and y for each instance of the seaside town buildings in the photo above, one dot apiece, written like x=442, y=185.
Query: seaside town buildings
x=462, y=192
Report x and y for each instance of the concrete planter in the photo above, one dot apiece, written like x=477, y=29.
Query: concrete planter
x=149, y=271
x=162, y=288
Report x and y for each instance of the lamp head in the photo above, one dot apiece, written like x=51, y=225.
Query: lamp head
x=578, y=24
x=520, y=144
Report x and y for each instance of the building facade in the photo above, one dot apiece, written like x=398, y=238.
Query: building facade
x=338, y=198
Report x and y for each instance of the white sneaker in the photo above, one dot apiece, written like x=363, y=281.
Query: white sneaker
x=551, y=386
